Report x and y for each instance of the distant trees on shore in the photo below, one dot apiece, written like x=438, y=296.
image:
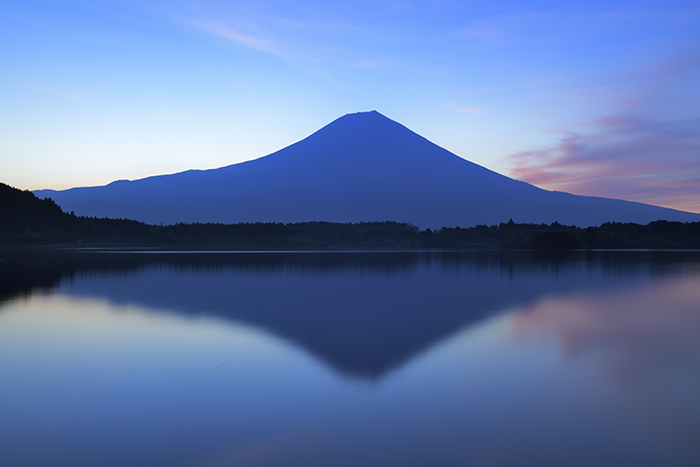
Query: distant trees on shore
x=27, y=220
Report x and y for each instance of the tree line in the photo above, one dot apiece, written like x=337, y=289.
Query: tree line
x=28, y=220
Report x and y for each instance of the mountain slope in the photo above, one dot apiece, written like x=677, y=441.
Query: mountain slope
x=360, y=167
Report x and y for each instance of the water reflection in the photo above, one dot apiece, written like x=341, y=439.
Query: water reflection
x=363, y=313
x=643, y=340
x=349, y=359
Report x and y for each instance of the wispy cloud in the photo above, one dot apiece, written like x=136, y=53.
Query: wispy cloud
x=643, y=145
x=297, y=33
x=638, y=159
x=470, y=110
x=467, y=109
x=257, y=26
x=227, y=32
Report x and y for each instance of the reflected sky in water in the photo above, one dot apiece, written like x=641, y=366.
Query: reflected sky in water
x=350, y=359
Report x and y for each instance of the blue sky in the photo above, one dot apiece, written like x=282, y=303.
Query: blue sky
x=595, y=98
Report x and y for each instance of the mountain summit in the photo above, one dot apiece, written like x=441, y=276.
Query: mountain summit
x=360, y=167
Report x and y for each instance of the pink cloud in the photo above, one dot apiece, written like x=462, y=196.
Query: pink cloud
x=627, y=157
x=469, y=110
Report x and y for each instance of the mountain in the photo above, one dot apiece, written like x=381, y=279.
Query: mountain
x=360, y=167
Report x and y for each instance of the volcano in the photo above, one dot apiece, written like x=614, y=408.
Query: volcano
x=360, y=167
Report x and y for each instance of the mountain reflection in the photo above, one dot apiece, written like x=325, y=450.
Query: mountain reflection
x=364, y=313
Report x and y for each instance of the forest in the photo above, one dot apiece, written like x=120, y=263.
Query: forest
x=26, y=220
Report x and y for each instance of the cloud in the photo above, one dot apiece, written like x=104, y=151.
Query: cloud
x=644, y=144
x=226, y=32
x=470, y=110
x=634, y=159
x=299, y=33
x=467, y=109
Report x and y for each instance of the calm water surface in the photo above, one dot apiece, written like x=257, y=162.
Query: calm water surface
x=357, y=359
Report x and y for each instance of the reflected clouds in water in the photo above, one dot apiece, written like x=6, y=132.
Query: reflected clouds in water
x=643, y=340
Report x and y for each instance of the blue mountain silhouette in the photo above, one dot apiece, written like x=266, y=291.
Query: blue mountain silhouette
x=360, y=167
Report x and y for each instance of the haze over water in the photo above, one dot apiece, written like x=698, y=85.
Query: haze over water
x=488, y=358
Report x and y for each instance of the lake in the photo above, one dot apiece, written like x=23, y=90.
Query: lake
x=349, y=358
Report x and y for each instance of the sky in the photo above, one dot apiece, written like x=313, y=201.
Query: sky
x=597, y=98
